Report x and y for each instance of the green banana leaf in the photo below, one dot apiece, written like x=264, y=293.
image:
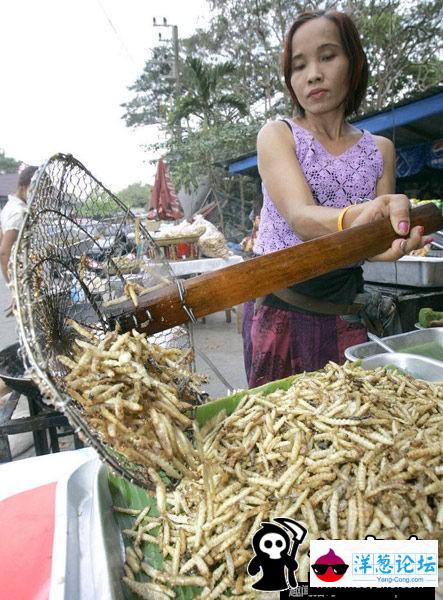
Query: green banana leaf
x=127, y=495
x=209, y=410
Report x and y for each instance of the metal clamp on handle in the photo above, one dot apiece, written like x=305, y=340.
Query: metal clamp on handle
x=182, y=294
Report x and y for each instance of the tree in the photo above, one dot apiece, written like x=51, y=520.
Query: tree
x=206, y=95
x=136, y=194
x=153, y=91
x=403, y=42
x=251, y=33
x=232, y=82
x=216, y=120
x=201, y=152
x=8, y=164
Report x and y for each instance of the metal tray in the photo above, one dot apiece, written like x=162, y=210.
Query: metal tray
x=88, y=547
x=419, y=367
x=414, y=271
x=400, y=342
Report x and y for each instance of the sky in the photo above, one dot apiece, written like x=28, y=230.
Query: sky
x=66, y=68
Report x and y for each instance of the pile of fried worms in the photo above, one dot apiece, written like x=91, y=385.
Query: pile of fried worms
x=136, y=396
x=345, y=451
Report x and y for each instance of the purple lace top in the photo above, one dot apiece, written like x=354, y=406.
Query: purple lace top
x=335, y=181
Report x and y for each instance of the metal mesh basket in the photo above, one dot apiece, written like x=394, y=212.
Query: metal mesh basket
x=78, y=249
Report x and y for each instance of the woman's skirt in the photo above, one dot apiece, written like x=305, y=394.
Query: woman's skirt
x=278, y=343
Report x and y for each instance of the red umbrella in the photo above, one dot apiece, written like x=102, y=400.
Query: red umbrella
x=164, y=203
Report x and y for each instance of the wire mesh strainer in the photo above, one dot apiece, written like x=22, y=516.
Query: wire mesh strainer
x=78, y=250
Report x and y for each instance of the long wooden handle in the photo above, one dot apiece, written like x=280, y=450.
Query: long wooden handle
x=263, y=275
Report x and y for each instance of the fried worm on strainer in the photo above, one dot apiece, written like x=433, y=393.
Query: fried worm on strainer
x=136, y=395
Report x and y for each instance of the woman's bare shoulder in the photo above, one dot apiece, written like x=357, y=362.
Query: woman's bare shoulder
x=274, y=132
x=384, y=144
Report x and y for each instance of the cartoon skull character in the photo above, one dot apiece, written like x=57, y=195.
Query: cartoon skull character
x=273, y=544
x=275, y=556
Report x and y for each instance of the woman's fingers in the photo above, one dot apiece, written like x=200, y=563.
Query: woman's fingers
x=394, y=206
x=402, y=246
x=395, y=252
x=399, y=213
x=415, y=240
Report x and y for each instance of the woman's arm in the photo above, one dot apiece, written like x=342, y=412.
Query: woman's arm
x=386, y=183
x=285, y=182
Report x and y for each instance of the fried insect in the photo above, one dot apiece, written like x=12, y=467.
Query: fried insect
x=335, y=452
x=135, y=395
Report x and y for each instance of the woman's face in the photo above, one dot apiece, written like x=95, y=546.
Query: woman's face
x=320, y=67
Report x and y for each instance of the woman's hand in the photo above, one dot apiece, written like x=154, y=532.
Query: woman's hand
x=396, y=207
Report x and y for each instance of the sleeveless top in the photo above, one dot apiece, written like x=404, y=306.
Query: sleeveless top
x=335, y=181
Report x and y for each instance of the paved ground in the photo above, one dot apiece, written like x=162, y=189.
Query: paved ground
x=218, y=340
x=222, y=343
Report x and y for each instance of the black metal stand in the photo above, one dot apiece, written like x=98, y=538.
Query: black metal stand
x=42, y=419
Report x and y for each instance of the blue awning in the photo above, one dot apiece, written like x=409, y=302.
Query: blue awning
x=403, y=115
x=416, y=121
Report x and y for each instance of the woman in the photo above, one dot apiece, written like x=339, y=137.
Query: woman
x=320, y=175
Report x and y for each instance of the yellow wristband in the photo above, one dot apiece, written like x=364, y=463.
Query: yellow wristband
x=341, y=217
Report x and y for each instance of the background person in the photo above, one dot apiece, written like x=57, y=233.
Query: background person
x=11, y=218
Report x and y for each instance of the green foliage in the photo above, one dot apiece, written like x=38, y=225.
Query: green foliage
x=231, y=80
x=136, y=195
x=403, y=42
x=152, y=92
x=427, y=315
x=196, y=153
x=102, y=205
x=8, y=164
x=98, y=206
x=206, y=93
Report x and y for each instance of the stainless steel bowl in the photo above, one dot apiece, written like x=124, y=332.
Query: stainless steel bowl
x=419, y=367
x=399, y=343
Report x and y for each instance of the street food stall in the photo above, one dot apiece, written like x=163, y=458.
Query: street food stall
x=414, y=282
x=349, y=451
